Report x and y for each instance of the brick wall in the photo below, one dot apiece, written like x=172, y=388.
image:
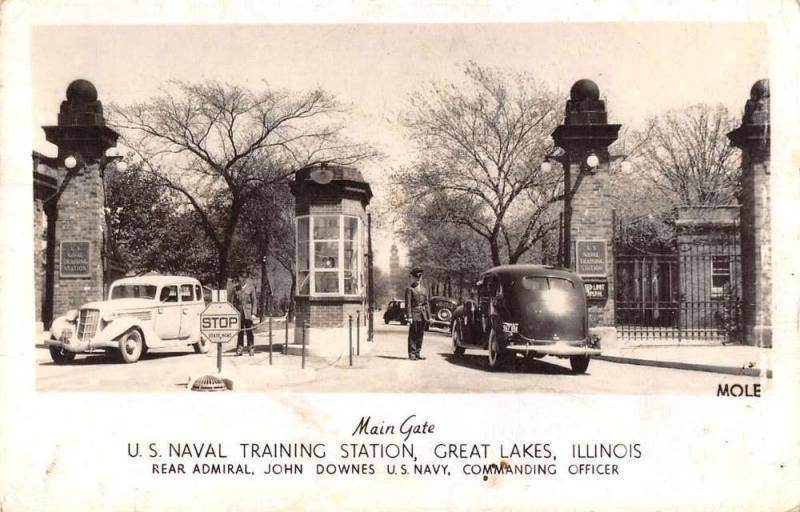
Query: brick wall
x=592, y=220
x=80, y=217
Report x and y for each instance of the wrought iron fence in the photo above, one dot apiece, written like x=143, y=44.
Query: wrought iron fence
x=689, y=295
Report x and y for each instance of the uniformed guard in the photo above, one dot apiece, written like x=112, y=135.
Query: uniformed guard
x=244, y=301
x=418, y=312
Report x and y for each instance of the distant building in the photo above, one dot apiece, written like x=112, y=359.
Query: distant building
x=396, y=277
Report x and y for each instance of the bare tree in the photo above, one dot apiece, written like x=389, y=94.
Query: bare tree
x=681, y=157
x=687, y=157
x=480, y=146
x=207, y=140
x=453, y=255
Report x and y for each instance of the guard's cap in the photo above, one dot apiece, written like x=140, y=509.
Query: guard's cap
x=416, y=272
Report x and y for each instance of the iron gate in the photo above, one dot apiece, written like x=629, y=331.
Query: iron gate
x=689, y=295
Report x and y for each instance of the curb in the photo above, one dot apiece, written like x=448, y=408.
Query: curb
x=727, y=370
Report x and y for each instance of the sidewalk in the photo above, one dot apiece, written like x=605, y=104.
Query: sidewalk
x=742, y=360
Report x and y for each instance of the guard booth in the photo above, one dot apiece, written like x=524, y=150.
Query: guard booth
x=331, y=254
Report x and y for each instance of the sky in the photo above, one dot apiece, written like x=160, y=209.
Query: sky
x=641, y=68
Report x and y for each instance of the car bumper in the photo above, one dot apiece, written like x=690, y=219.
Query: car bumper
x=439, y=323
x=73, y=344
x=560, y=349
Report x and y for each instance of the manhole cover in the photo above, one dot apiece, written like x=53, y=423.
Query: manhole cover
x=209, y=383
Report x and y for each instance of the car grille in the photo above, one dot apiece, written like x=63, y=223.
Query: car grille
x=144, y=316
x=87, y=323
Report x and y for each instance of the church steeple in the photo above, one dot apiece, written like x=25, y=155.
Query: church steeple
x=395, y=274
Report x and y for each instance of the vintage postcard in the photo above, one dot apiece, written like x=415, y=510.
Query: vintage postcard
x=393, y=256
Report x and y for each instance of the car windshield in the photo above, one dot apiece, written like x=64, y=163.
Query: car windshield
x=134, y=291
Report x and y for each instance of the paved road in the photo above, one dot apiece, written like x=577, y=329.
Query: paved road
x=389, y=370
x=385, y=369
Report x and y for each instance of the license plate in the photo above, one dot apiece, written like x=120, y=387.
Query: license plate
x=512, y=328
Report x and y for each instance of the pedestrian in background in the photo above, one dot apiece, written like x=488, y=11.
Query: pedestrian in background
x=244, y=301
x=418, y=313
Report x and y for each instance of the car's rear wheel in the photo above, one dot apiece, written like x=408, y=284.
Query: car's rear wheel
x=497, y=356
x=579, y=364
x=403, y=322
x=386, y=321
x=60, y=355
x=202, y=346
x=456, y=336
x=131, y=346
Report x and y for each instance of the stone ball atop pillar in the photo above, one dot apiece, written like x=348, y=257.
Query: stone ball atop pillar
x=81, y=91
x=584, y=106
x=760, y=90
x=583, y=89
x=756, y=109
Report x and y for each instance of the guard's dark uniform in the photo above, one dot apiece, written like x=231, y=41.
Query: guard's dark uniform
x=418, y=313
x=244, y=301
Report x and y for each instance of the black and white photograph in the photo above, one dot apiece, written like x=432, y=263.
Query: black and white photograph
x=467, y=260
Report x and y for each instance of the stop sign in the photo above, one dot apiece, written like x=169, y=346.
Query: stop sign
x=219, y=322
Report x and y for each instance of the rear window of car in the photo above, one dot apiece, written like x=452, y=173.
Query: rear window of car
x=538, y=283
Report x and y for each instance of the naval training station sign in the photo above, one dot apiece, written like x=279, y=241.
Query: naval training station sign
x=591, y=264
x=591, y=257
x=75, y=259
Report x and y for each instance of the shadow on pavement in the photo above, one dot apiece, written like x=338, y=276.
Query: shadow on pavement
x=517, y=365
x=401, y=358
x=114, y=358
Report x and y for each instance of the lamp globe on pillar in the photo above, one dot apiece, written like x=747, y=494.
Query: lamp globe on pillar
x=592, y=162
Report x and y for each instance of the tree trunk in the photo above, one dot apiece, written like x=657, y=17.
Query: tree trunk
x=495, y=250
x=265, y=301
x=222, y=268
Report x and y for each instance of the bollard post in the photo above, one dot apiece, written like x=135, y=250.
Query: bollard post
x=286, y=334
x=303, y=350
x=358, y=332
x=350, y=332
x=270, y=341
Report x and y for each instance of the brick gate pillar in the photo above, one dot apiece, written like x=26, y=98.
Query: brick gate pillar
x=76, y=275
x=331, y=222
x=588, y=219
x=753, y=138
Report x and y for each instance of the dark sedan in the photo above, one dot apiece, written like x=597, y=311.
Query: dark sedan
x=535, y=310
x=395, y=312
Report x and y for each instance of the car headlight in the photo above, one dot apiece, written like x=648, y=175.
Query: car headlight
x=71, y=315
x=108, y=316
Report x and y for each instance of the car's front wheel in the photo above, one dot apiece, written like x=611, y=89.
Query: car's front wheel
x=60, y=355
x=456, y=335
x=579, y=364
x=497, y=356
x=131, y=346
x=202, y=346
